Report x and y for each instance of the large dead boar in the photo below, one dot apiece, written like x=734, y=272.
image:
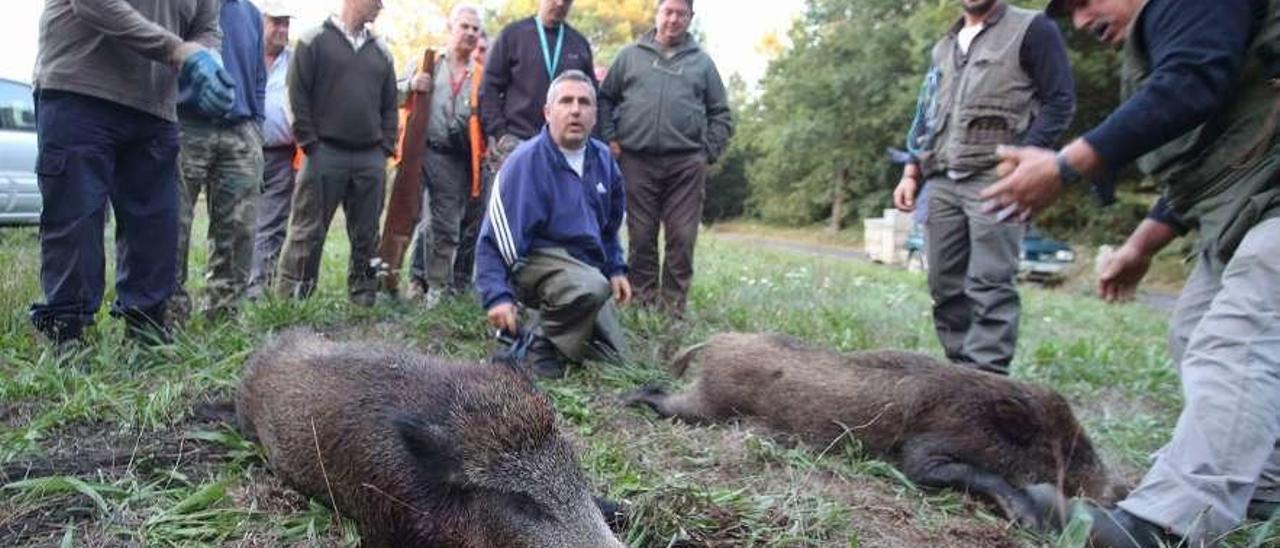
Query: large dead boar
x=942, y=425
x=419, y=451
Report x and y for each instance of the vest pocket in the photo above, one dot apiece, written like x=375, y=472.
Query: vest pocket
x=988, y=125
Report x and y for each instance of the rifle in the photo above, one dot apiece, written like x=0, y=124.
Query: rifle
x=405, y=205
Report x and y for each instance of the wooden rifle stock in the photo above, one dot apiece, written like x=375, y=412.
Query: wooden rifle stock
x=405, y=205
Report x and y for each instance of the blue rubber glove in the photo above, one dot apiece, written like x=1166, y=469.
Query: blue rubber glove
x=212, y=88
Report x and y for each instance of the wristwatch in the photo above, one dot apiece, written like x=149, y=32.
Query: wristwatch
x=1067, y=174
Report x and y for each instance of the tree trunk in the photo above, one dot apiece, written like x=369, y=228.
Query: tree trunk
x=837, y=200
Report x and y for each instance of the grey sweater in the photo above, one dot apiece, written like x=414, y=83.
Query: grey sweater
x=657, y=105
x=342, y=96
x=119, y=50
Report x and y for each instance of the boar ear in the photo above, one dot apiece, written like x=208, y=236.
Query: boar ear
x=430, y=447
x=1014, y=419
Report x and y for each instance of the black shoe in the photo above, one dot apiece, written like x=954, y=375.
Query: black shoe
x=1112, y=527
x=62, y=332
x=1262, y=510
x=544, y=359
x=512, y=349
x=146, y=326
x=1116, y=528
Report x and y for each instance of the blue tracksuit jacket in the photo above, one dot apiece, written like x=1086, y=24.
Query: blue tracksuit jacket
x=538, y=201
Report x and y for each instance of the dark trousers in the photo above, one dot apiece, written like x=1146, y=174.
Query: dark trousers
x=332, y=176
x=667, y=192
x=92, y=151
x=273, y=215
x=446, y=182
x=572, y=304
x=973, y=266
x=464, y=264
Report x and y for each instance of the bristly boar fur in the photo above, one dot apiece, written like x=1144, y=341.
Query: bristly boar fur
x=419, y=451
x=942, y=425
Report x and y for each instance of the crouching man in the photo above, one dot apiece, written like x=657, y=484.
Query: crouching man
x=550, y=239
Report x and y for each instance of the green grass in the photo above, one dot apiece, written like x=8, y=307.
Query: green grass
x=177, y=481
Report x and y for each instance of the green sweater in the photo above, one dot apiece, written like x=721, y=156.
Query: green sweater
x=653, y=104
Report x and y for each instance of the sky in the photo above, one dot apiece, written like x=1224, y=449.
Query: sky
x=732, y=29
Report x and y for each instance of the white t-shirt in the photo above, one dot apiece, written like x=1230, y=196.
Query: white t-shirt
x=577, y=158
x=967, y=35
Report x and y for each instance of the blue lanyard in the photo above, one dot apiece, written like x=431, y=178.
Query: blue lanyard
x=551, y=61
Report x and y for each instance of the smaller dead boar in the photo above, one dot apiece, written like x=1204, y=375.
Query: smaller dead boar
x=417, y=450
x=942, y=425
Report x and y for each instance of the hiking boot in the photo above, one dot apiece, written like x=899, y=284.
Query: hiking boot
x=544, y=359
x=1261, y=510
x=62, y=332
x=1112, y=527
x=1116, y=528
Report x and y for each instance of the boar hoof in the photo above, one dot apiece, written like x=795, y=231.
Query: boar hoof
x=1048, y=508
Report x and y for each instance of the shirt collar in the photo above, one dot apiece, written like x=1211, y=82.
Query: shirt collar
x=363, y=33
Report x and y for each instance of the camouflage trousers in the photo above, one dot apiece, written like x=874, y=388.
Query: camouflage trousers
x=226, y=162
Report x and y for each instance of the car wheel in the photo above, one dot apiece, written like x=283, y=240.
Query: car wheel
x=916, y=261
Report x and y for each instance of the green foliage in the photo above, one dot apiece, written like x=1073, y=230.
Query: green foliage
x=845, y=91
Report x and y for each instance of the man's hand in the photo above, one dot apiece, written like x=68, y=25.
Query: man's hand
x=1118, y=280
x=503, y=316
x=201, y=70
x=904, y=196
x=615, y=149
x=1029, y=182
x=420, y=82
x=621, y=289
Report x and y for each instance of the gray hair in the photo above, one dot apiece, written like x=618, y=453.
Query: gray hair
x=458, y=9
x=570, y=76
x=659, y=4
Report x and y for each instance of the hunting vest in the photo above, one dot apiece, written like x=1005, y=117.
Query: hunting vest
x=1222, y=175
x=984, y=97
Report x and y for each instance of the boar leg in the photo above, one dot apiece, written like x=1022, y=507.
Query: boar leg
x=929, y=464
x=686, y=406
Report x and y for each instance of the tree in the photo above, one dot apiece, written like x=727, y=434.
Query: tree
x=845, y=90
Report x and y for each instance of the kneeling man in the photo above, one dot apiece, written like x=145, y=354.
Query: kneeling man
x=550, y=239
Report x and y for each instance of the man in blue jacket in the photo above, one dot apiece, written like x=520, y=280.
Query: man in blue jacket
x=550, y=239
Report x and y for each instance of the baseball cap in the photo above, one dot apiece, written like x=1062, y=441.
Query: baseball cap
x=275, y=8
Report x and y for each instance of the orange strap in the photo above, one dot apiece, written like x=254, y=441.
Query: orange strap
x=475, y=132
